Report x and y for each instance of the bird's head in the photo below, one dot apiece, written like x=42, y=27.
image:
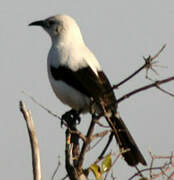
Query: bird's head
x=60, y=27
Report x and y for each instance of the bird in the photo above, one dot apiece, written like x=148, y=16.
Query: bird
x=76, y=77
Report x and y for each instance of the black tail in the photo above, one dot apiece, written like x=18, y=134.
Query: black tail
x=127, y=145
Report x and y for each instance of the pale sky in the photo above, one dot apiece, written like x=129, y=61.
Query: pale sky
x=120, y=33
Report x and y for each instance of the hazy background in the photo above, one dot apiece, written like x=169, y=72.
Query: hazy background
x=120, y=33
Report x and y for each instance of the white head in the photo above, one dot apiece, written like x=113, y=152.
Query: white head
x=60, y=27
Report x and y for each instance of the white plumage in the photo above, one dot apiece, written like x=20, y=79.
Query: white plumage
x=68, y=49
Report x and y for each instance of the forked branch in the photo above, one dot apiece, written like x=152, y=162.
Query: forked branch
x=155, y=84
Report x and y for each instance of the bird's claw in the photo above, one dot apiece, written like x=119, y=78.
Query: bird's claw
x=70, y=118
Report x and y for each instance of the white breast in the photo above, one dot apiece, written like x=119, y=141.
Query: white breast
x=69, y=95
x=75, y=57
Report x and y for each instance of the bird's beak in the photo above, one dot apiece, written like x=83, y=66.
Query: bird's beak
x=38, y=23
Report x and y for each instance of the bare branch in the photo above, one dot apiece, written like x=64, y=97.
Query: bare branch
x=164, y=171
x=33, y=141
x=159, y=52
x=77, y=132
x=163, y=157
x=164, y=91
x=143, y=170
x=116, y=159
x=145, y=88
x=166, y=167
x=85, y=144
x=100, y=157
x=72, y=172
x=129, y=77
x=57, y=168
x=65, y=177
x=151, y=164
x=42, y=106
x=171, y=176
x=147, y=65
x=102, y=125
x=100, y=134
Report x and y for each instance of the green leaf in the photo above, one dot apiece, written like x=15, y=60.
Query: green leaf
x=96, y=171
x=106, y=163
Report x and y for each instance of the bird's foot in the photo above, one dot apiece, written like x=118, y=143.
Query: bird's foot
x=70, y=118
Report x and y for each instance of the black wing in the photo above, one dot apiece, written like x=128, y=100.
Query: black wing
x=86, y=81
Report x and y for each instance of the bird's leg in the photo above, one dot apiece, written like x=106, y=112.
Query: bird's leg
x=71, y=118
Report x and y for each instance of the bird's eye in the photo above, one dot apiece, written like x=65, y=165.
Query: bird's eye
x=51, y=22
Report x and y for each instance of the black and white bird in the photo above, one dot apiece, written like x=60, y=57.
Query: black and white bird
x=76, y=76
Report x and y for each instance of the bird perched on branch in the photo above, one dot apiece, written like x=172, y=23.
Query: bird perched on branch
x=76, y=76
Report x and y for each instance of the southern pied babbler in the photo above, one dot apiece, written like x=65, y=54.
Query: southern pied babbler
x=76, y=76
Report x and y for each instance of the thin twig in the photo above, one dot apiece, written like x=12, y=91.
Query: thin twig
x=43, y=107
x=164, y=91
x=116, y=159
x=139, y=172
x=162, y=157
x=145, y=88
x=33, y=141
x=105, y=149
x=151, y=164
x=143, y=170
x=65, y=177
x=85, y=144
x=56, y=170
x=101, y=135
x=171, y=166
x=92, y=147
x=110, y=122
x=171, y=176
x=129, y=77
x=159, y=52
x=146, y=65
x=112, y=176
x=77, y=132
x=102, y=125
x=163, y=169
